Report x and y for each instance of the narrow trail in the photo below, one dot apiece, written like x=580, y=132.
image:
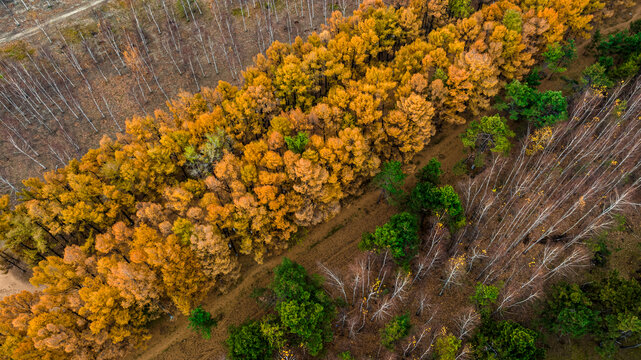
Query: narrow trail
x=636, y=14
x=58, y=18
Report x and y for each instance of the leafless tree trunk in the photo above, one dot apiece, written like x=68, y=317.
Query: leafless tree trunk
x=111, y=114
x=22, y=148
x=13, y=16
x=6, y=186
x=150, y=14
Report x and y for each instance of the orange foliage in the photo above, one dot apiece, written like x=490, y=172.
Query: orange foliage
x=140, y=233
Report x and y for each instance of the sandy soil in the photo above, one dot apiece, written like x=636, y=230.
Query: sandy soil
x=14, y=282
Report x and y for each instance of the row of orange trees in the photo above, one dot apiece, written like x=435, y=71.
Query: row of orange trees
x=148, y=222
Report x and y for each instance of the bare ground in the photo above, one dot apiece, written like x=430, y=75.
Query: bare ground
x=13, y=282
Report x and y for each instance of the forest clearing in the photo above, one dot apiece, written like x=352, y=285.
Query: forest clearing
x=406, y=180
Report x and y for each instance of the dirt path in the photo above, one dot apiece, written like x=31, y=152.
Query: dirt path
x=58, y=18
x=334, y=243
x=607, y=26
x=634, y=12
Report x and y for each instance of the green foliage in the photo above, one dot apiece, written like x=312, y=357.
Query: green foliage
x=539, y=108
x=440, y=74
x=628, y=68
x=620, y=53
x=484, y=297
x=431, y=172
x=512, y=20
x=200, y=161
x=391, y=180
x=490, y=132
x=345, y=355
x=533, y=79
x=600, y=250
x=479, y=161
x=304, y=308
x=595, y=40
x=395, y=330
x=553, y=55
x=191, y=154
x=304, y=313
x=619, y=219
x=460, y=168
x=264, y=297
x=617, y=300
x=399, y=235
x=550, y=107
x=291, y=281
x=635, y=27
x=506, y=340
x=183, y=229
x=426, y=197
x=273, y=331
x=460, y=8
x=246, y=342
x=569, y=52
x=568, y=311
x=616, y=295
x=75, y=33
x=297, y=143
x=238, y=11
x=449, y=204
x=214, y=148
x=446, y=347
x=596, y=77
x=619, y=46
x=558, y=56
x=201, y=322
x=608, y=309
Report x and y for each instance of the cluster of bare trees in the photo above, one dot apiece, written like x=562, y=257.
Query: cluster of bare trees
x=530, y=213
x=364, y=291
x=375, y=290
x=528, y=216
x=38, y=92
x=54, y=93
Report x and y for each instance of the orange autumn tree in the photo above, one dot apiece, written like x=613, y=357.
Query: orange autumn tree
x=145, y=224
